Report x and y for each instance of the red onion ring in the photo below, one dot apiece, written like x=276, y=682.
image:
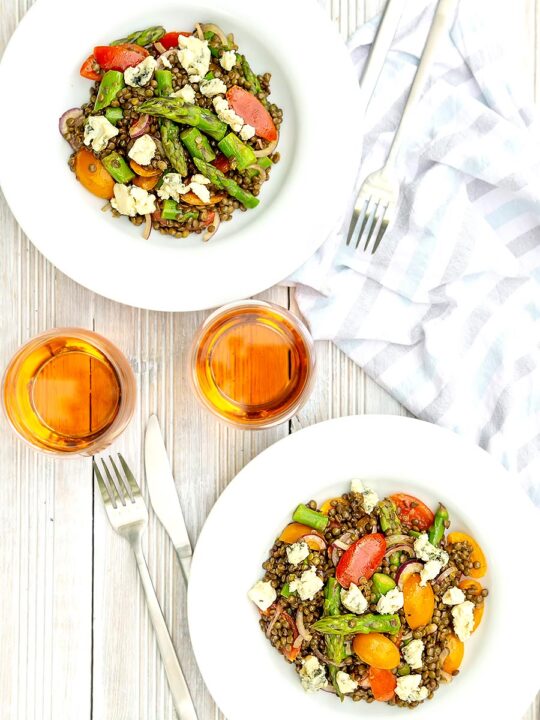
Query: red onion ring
x=147, y=226
x=301, y=627
x=273, y=621
x=399, y=540
x=399, y=548
x=216, y=223
x=445, y=573
x=267, y=150
x=140, y=126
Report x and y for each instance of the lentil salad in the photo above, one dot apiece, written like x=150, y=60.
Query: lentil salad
x=372, y=598
x=178, y=132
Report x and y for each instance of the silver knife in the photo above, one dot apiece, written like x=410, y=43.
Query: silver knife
x=163, y=493
x=379, y=49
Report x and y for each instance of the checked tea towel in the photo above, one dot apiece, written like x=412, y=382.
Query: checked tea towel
x=446, y=314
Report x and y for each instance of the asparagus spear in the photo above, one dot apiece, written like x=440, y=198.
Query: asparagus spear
x=174, y=151
x=310, y=517
x=170, y=132
x=118, y=168
x=222, y=182
x=197, y=145
x=232, y=147
x=335, y=644
x=354, y=624
x=436, y=531
x=171, y=210
x=163, y=79
x=175, y=109
x=388, y=517
x=251, y=78
x=142, y=37
x=111, y=84
x=114, y=114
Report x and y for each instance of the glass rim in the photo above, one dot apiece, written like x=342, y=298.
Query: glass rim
x=302, y=398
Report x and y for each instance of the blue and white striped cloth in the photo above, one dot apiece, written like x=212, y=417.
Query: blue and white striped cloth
x=446, y=314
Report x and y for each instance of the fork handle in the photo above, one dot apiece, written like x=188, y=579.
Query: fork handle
x=444, y=14
x=177, y=682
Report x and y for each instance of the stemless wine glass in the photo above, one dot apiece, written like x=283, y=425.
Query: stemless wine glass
x=69, y=391
x=253, y=364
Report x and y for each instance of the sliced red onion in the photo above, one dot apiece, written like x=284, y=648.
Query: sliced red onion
x=260, y=170
x=210, y=233
x=273, y=621
x=140, y=126
x=166, y=54
x=364, y=682
x=399, y=540
x=160, y=48
x=335, y=555
x=147, y=226
x=446, y=573
x=315, y=542
x=323, y=658
x=341, y=545
x=406, y=570
x=72, y=114
x=399, y=548
x=301, y=627
x=199, y=31
x=212, y=27
x=446, y=676
x=442, y=657
x=329, y=689
x=267, y=150
x=299, y=640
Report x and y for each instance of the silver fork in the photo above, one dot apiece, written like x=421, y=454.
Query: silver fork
x=129, y=517
x=375, y=205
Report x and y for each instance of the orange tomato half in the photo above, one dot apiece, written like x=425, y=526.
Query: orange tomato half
x=456, y=650
x=377, y=651
x=418, y=602
x=477, y=553
x=91, y=173
x=478, y=612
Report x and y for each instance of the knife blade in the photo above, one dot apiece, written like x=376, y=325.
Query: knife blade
x=379, y=50
x=163, y=495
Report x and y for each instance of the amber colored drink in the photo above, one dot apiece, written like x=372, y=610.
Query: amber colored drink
x=252, y=363
x=69, y=391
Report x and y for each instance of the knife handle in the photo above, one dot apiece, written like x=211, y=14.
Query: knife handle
x=184, y=555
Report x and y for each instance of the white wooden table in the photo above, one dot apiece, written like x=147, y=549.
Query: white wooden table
x=75, y=640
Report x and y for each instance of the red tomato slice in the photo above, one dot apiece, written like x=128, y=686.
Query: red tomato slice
x=222, y=163
x=361, y=559
x=252, y=112
x=170, y=39
x=293, y=653
x=411, y=508
x=382, y=683
x=119, y=57
x=90, y=69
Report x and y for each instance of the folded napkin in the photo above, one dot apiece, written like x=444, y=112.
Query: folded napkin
x=446, y=314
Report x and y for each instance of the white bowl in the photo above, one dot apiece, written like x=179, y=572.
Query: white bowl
x=248, y=678
x=313, y=81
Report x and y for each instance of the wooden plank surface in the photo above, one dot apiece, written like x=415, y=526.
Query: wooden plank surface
x=75, y=640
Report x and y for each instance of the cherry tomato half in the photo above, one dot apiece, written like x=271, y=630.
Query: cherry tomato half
x=361, y=559
x=411, y=509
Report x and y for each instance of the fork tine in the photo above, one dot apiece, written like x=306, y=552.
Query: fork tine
x=103, y=488
x=369, y=224
x=115, y=486
x=122, y=480
x=382, y=230
x=135, y=489
x=374, y=230
x=354, y=235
